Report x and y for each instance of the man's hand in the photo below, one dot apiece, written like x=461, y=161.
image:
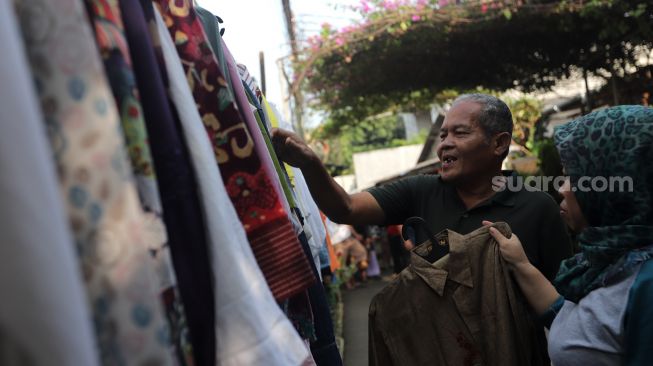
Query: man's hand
x=291, y=149
x=357, y=209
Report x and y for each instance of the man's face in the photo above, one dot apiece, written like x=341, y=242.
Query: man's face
x=464, y=149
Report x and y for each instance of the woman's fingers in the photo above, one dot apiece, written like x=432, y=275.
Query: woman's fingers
x=510, y=247
x=486, y=223
x=496, y=234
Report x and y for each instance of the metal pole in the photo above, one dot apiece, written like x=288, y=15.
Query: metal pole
x=298, y=106
x=261, y=61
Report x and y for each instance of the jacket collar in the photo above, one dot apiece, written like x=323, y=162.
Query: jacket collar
x=456, y=265
x=434, y=277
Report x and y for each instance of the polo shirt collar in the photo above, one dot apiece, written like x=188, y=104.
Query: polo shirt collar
x=505, y=197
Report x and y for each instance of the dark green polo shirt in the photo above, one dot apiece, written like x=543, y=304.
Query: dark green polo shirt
x=533, y=216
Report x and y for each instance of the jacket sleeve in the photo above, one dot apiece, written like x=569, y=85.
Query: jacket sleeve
x=555, y=244
x=638, y=323
x=379, y=355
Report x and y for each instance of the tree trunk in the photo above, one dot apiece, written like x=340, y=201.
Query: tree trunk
x=615, y=92
x=613, y=84
x=588, y=95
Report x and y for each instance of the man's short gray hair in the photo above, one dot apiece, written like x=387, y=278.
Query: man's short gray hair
x=494, y=116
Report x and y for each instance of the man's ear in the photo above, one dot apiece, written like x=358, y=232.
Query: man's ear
x=502, y=143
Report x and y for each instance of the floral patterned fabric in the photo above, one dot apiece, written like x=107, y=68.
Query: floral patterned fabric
x=249, y=186
x=110, y=38
x=96, y=183
x=613, y=142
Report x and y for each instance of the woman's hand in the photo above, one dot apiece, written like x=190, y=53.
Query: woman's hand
x=511, y=248
x=538, y=290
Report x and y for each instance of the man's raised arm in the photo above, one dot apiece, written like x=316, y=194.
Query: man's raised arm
x=337, y=205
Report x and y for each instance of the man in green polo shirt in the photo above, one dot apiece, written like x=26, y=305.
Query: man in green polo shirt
x=475, y=137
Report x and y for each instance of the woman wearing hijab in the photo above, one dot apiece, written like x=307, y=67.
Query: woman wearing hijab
x=600, y=306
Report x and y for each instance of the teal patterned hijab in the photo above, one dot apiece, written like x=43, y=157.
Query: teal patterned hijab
x=613, y=142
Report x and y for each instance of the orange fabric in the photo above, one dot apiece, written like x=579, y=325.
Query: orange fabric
x=333, y=259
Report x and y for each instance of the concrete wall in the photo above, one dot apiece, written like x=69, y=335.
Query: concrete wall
x=372, y=166
x=347, y=182
x=413, y=123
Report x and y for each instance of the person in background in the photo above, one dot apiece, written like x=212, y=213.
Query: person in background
x=409, y=240
x=400, y=259
x=600, y=305
x=371, y=240
x=351, y=253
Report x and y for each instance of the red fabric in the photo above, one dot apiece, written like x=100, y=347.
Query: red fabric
x=274, y=243
x=393, y=230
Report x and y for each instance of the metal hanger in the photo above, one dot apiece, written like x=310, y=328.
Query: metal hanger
x=220, y=21
x=439, y=248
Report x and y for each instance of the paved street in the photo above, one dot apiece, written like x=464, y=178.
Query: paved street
x=357, y=303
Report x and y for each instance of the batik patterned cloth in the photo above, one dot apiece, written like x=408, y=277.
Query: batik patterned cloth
x=96, y=183
x=212, y=30
x=249, y=117
x=110, y=38
x=257, y=203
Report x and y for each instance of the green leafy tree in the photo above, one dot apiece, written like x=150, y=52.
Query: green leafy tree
x=379, y=132
x=405, y=53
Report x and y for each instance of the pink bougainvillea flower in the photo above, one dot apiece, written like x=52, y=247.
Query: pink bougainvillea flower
x=340, y=41
x=389, y=5
x=365, y=7
x=416, y=18
x=347, y=29
x=484, y=8
x=443, y=3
